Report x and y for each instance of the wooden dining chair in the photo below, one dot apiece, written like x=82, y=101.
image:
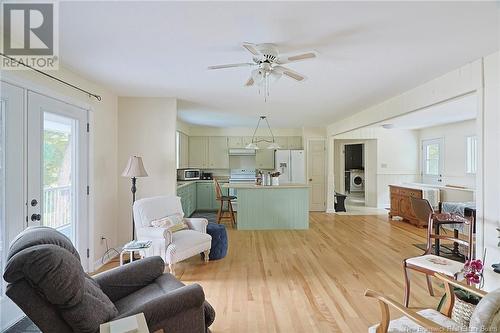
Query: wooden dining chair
x=428, y=263
x=221, y=213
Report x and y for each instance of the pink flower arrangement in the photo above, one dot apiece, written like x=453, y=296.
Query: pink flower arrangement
x=473, y=271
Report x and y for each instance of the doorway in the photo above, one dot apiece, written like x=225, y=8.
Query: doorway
x=432, y=161
x=43, y=173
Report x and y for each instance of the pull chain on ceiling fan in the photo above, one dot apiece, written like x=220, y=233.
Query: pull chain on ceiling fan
x=269, y=61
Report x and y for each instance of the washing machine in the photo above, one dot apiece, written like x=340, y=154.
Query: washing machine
x=357, y=180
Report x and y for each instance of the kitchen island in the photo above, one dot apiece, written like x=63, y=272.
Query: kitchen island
x=272, y=207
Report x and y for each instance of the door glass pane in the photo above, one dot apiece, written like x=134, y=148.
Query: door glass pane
x=59, y=173
x=432, y=159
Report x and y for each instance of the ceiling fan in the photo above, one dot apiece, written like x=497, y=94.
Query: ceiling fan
x=268, y=60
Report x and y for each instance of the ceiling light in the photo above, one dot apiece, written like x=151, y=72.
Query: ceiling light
x=387, y=126
x=253, y=144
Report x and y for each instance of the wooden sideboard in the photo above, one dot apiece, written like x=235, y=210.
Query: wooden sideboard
x=401, y=204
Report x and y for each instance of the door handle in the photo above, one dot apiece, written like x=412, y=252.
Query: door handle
x=310, y=179
x=36, y=217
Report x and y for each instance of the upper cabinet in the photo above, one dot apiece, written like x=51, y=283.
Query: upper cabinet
x=235, y=142
x=264, y=158
x=295, y=142
x=208, y=152
x=218, y=155
x=183, y=151
x=282, y=141
x=212, y=152
x=198, y=152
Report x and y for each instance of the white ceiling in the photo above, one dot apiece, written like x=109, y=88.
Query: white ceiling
x=368, y=52
x=453, y=111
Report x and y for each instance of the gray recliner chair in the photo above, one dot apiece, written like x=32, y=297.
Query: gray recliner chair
x=47, y=282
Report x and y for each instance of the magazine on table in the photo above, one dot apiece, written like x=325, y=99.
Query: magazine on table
x=135, y=244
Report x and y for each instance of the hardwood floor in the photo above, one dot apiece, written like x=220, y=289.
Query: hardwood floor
x=309, y=281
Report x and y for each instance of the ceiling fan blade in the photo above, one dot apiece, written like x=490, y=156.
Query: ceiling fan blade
x=285, y=59
x=251, y=48
x=244, y=64
x=288, y=72
x=249, y=82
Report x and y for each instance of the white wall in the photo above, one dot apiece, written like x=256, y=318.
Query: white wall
x=146, y=127
x=104, y=142
x=466, y=79
x=454, y=137
x=491, y=153
x=395, y=159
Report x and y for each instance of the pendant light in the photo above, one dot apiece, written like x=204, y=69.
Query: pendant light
x=273, y=144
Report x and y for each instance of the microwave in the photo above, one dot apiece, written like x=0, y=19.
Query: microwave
x=188, y=174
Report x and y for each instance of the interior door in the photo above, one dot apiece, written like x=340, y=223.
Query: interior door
x=12, y=190
x=316, y=174
x=57, y=169
x=432, y=161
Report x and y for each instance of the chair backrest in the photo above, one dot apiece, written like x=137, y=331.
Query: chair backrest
x=424, y=212
x=218, y=191
x=154, y=208
x=486, y=315
x=46, y=280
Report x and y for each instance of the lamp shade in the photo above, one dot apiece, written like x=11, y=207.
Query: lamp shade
x=134, y=168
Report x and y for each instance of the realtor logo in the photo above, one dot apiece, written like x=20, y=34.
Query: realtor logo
x=30, y=35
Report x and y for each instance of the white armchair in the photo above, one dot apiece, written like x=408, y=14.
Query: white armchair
x=172, y=247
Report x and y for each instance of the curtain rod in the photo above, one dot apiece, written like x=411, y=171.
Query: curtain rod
x=52, y=77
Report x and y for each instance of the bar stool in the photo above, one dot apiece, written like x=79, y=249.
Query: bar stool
x=224, y=198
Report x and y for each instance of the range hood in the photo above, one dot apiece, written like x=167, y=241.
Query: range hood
x=241, y=152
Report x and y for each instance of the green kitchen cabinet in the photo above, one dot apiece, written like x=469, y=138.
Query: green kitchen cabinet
x=188, y=198
x=204, y=196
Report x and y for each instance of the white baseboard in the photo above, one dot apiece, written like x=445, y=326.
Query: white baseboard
x=330, y=211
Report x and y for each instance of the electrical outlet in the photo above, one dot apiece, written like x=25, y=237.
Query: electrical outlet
x=102, y=240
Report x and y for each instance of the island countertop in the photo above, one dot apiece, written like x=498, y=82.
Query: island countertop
x=254, y=186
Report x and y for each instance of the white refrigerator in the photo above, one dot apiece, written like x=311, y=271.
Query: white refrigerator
x=292, y=166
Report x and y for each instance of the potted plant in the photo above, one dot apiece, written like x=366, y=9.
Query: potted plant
x=465, y=302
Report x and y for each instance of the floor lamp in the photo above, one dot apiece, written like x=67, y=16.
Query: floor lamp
x=134, y=170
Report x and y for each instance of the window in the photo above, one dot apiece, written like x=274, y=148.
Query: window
x=177, y=149
x=471, y=154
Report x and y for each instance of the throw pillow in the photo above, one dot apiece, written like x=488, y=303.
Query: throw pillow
x=173, y=223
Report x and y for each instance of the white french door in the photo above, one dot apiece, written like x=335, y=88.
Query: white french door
x=57, y=168
x=43, y=174
x=432, y=161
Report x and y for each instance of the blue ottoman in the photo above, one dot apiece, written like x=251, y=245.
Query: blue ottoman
x=219, y=240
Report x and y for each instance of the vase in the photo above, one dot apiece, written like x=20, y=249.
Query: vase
x=462, y=312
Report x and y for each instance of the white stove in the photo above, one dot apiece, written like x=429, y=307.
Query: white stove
x=240, y=176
